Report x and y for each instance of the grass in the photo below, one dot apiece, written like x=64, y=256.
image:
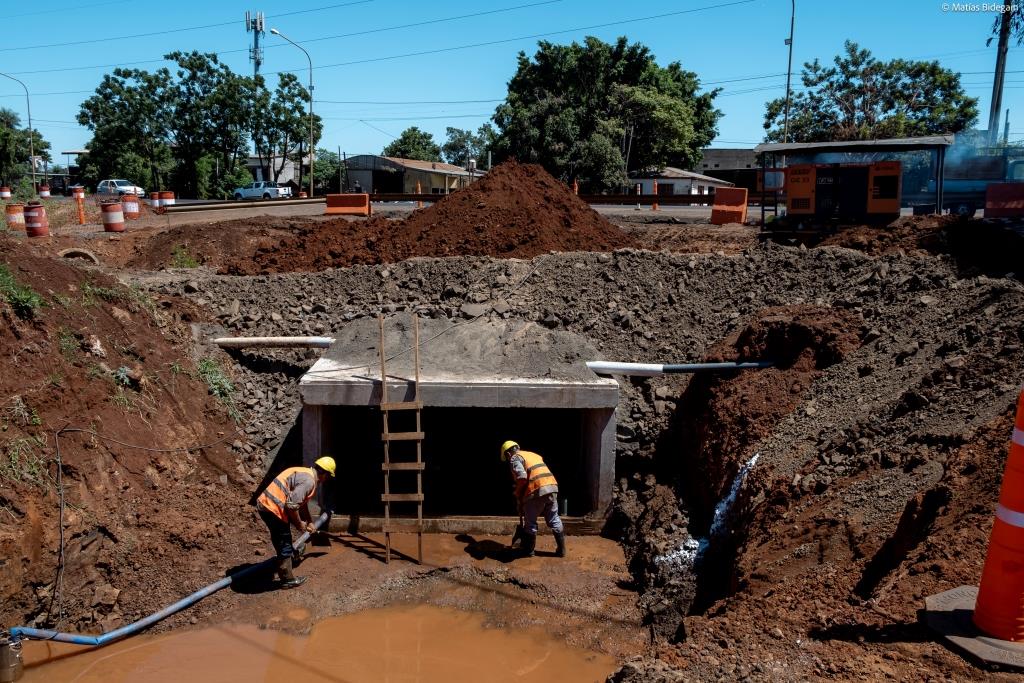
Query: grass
x=218, y=383
x=20, y=463
x=180, y=258
x=91, y=293
x=18, y=413
x=25, y=301
x=122, y=399
x=68, y=343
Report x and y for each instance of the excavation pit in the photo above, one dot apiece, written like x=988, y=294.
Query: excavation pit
x=481, y=382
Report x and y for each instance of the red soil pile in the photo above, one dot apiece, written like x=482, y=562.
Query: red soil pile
x=78, y=351
x=210, y=244
x=515, y=211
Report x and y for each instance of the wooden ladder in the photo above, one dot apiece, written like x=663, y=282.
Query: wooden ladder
x=388, y=436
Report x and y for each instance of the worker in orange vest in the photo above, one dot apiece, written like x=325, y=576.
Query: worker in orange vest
x=285, y=503
x=537, y=493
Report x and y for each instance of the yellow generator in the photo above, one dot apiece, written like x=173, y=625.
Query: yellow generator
x=844, y=192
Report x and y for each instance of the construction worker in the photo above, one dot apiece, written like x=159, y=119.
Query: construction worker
x=286, y=502
x=537, y=492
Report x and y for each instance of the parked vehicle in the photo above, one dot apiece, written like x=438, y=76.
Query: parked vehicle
x=967, y=179
x=263, y=189
x=116, y=188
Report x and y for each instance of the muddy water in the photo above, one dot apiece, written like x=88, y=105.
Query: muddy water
x=412, y=644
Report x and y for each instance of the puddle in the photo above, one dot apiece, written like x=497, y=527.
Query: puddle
x=421, y=644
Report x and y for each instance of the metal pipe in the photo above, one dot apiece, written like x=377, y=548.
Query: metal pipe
x=652, y=369
x=19, y=632
x=274, y=342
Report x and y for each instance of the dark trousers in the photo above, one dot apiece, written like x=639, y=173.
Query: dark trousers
x=280, y=532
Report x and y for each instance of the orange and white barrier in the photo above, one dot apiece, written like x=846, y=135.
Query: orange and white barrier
x=15, y=216
x=113, y=216
x=5, y=192
x=348, y=204
x=999, y=610
x=166, y=198
x=154, y=200
x=36, y=223
x=44, y=191
x=78, y=193
x=130, y=206
x=730, y=205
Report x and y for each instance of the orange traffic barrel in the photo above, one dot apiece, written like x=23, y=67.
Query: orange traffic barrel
x=999, y=610
x=5, y=192
x=15, y=216
x=113, y=216
x=44, y=191
x=154, y=200
x=302, y=194
x=166, y=198
x=36, y=224
x=78, y=193
x=130, y=206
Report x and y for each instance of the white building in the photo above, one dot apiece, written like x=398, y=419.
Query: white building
x=673, y=181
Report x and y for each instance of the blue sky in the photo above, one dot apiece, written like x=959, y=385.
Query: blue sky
x=368, y=91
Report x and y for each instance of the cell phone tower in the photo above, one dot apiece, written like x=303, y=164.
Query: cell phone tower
x=254, y=23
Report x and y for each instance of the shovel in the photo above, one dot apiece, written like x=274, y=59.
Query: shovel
x=518, y=535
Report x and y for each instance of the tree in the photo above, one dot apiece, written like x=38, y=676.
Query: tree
x=414, y=143
x=597, y=110
x=862, y=98
x=463, y=145
x=15, y=148
x=281, y=125
x=328, y=166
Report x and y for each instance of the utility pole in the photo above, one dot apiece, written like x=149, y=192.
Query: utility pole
x=1006, y=129
x=789, y=70
x=31, y=134
x=254, y=23
x=997, y=83
x=311, y=151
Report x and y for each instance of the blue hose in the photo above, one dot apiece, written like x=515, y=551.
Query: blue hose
x=19, y=632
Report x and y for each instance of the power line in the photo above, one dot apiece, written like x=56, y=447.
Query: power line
x=64, y=9
x=500, y=99
x=379, y=130
x=528, y=37
x=408, y=118
x=171, y=30
x=228, y=52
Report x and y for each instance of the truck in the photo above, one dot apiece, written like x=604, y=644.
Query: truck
x=967, y=178
x=263, y=189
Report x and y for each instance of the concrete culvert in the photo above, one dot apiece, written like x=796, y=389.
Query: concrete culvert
x=83, y=254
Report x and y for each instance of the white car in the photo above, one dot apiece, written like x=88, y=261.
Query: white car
x=263, y=189
x=116, y=188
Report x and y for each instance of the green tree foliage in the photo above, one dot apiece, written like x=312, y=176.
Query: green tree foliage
x=862, y=98
x=281, y=125
x=414, y=143
x=14, y=148
x=463, y=145
x=327, y=166
x=594, y=111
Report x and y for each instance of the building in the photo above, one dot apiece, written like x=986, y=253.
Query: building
x=289, y=172
x=725, y=160
x=380, y=174
x=673, y=181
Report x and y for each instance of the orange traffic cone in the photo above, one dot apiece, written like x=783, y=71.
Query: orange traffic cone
x=654, y=205
x=999, y=610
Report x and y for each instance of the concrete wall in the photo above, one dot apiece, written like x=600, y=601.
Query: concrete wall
x=726, y=159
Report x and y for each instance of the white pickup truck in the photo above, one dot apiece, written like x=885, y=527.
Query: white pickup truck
x=263, y=189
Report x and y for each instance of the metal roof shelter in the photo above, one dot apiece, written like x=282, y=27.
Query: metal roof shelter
x=936, y=143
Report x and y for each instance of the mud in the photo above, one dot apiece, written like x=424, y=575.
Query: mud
x=412, y=643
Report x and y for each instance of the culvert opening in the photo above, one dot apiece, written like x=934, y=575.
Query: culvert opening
x=709, y=447
x=464, y=474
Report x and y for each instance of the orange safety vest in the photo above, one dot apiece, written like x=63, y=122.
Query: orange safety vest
x=537, y=474
x=276, y=494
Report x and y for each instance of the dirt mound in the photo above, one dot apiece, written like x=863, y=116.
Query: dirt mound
x=211, y=243
x=89, y=360
x=907, y=234
x=515, y=211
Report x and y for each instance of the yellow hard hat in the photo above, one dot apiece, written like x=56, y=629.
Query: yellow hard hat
x=505, y=446
x=326, y=463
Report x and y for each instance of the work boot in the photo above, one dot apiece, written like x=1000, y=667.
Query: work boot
x=288, y=579
x=560, y=544
x=528, y=545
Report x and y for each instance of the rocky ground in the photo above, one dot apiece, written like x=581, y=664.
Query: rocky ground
x=865, y=462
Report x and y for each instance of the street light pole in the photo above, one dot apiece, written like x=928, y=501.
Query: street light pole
x=278, y=33
x=789, y=70
x=31, y=144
